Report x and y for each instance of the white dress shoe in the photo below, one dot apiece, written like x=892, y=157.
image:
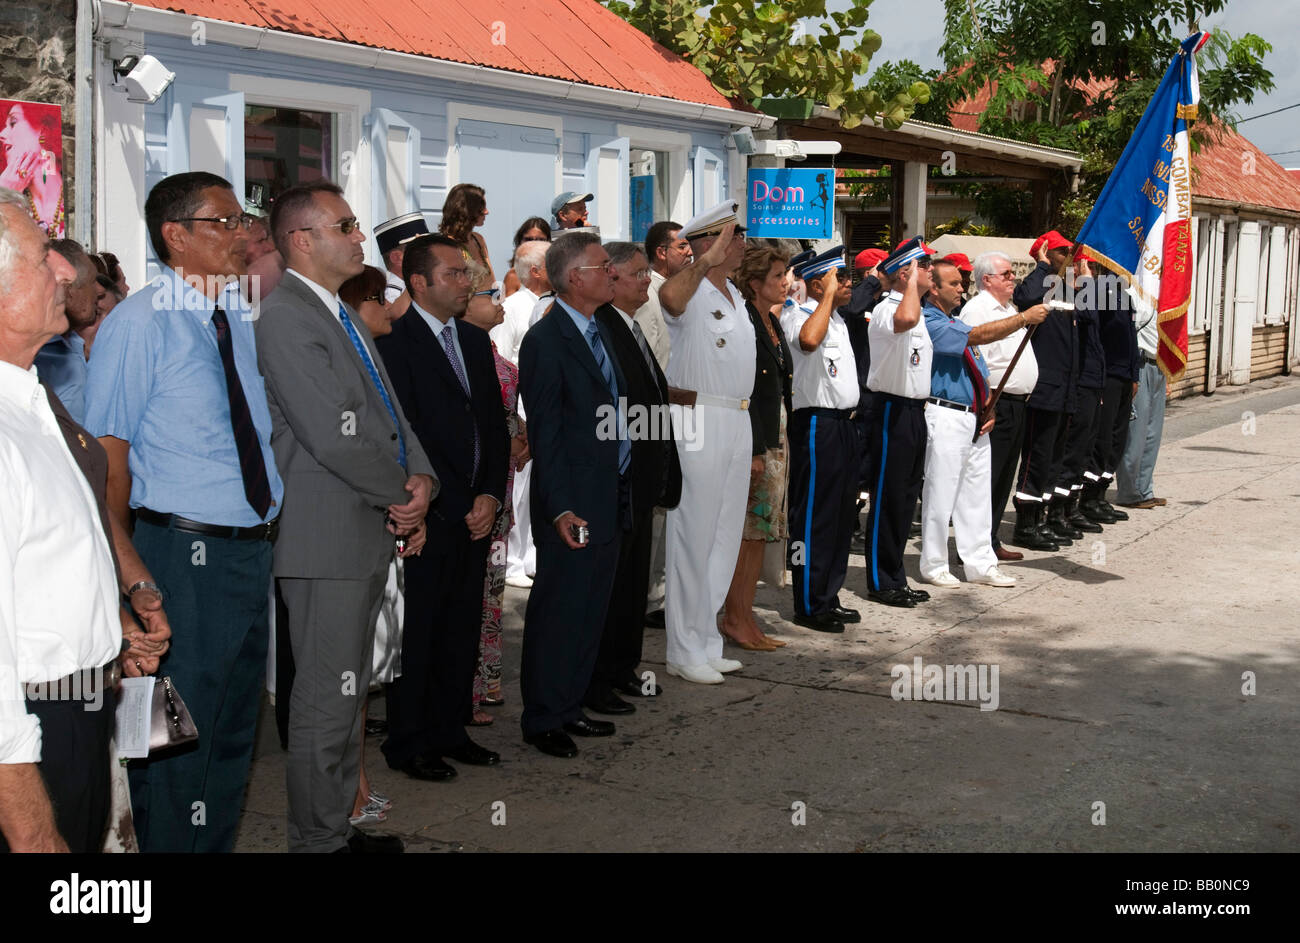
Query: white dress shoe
x=994, y=577
x=519, y=582
x=943, y=579
x=725, y=665
x=700, y=674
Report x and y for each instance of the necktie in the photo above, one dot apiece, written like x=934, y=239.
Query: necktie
x=607, y=371
x=374, y=378
x=252, y=467
x=645, y=348
x=449, y=347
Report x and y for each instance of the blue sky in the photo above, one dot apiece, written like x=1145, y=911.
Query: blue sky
x=913, y=29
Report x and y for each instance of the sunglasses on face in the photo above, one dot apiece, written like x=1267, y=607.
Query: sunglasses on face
x=377, y=299
x=496, y=293
x=346, y=226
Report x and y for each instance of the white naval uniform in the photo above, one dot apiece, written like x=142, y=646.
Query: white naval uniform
x=713, y=352
x=521, y=552
x=394, y=287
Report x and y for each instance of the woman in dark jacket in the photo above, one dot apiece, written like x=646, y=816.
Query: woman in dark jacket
x=762, y=282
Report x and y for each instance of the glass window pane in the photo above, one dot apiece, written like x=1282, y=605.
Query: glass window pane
x=283, y=148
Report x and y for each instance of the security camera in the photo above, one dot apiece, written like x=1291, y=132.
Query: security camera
x=145, y=77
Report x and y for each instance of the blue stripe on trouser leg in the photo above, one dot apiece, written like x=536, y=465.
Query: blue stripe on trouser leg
x=808, y=515
x=877, y=497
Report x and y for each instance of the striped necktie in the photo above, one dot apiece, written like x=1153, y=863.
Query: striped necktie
x=374, y=378
x=448, y=339
x=607, y=371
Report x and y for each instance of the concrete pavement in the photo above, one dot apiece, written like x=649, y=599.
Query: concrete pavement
x=1120, y=681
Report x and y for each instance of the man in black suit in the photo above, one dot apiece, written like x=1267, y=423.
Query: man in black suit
x=445, y=378
x=655, y=479
x=570, y=379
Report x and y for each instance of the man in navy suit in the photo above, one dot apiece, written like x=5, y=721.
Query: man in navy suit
x=570, y=378
x=445, y=377
x=655, y=476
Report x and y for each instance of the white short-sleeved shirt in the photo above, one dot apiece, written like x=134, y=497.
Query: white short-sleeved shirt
x=394, y=287
x=900, y=363
x=713, y=346
x=984, y=308
x=58, y=587
x=826, y=377
x=509, y=334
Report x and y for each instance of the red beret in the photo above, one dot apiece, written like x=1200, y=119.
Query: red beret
x=869, y=258
x=1051, y=240
x=960, y=260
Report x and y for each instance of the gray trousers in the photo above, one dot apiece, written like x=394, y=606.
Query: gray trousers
x=332, y=630
x=1133, y=478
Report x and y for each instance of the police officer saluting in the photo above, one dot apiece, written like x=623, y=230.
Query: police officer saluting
x=823, y=444
x=901, y=356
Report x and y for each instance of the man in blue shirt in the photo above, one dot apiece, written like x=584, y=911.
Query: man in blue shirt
x=62, y=361
x=175, y=396
x=957, y=469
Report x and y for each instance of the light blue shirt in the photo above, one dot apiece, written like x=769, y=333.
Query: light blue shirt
x=438, y=327
x=949, y=378
x=61, y=365
x=156, y=381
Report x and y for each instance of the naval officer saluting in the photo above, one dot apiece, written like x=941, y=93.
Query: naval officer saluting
x=901, y=357
x=710, y=375
x=823, y=444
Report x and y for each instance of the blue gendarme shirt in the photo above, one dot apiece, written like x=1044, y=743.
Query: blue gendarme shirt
x=61, y=365
x=948, y=377
x=156, y=381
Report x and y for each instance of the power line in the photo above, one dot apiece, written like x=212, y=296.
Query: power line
x=1282, y=153
x=1267, y=113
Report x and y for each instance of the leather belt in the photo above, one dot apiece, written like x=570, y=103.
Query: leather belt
x=680, y=397
x=268, y=531
x=828, y=411
x=940, y=401
x=82, y=685
x=1018, y=397
x=1146, y=358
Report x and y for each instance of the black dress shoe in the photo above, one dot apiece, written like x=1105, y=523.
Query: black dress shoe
x=900, y=598
x=553, y=743
x=632, y=687
x=919, y=595
x=607, y=702
x=373, y=843
x=429, y=768
x=586, y=727
x=845, y=615
x=472, y=754
x=376, y=726
x=656, y=619
x=824, y=623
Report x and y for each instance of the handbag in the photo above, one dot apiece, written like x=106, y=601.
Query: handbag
x=171, y=724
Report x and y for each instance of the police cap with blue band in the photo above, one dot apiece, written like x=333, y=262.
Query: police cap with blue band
x=907, y=252
x=832, y=258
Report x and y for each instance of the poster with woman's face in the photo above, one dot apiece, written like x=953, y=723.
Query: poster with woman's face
x=31, y=160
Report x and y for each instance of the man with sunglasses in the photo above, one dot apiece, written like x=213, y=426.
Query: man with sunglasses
x=445, y=377
x=175, y=396
x=355, y=477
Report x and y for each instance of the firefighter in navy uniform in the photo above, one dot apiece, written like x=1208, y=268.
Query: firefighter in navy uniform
x=1040, y=502
x=823, y=444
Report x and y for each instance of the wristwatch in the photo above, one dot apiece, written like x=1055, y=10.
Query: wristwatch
x=144, y=584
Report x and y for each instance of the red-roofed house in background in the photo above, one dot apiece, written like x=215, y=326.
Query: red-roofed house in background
x=1242, y=322
x=398, y=101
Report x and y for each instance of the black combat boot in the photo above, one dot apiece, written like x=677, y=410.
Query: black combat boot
x=1065, y=534
x=1091, y=507
x=1076, y=518
x=1027, y=534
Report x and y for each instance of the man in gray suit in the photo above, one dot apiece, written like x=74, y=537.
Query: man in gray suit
x=355, y=475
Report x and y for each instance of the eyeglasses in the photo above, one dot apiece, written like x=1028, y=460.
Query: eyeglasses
x=346, y=226
x=607, y=266
x=495, y=292
x=243, y=220
x=378, y=299
x=1007, y=274
x=641, y=274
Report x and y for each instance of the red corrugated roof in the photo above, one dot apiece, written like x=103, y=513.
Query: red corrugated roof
x=572, y=40
x=1230, y=168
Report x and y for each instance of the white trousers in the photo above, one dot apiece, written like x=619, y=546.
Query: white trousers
x=957, y=488
x=521, y=552
x=703, y=532
x=658, y=560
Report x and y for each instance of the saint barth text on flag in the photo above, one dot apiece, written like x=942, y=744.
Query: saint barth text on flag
x=1141, y=224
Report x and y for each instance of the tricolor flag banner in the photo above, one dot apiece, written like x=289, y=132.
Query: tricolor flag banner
x=1141, y=225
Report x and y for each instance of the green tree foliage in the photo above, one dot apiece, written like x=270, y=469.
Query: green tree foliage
x=753, y=50
x=1078, y=74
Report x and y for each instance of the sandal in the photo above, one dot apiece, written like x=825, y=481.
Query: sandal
x=482, y=719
